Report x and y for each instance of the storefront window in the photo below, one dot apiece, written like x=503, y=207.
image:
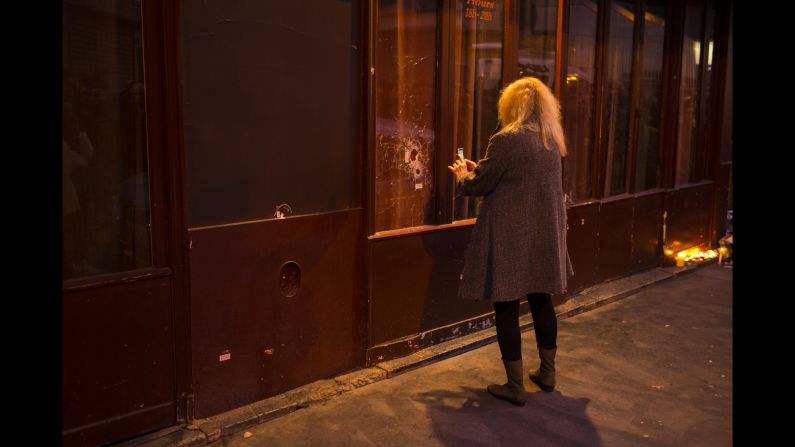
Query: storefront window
x=690, y=79
x=578, y=100
x=538, y=29
x=701, y=157
x=618, y=80
x=405, y=83
x=649, y=91
x=106, y=222
x=478, y=49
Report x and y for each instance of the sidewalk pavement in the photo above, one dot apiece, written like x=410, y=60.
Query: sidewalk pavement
x=654, y=368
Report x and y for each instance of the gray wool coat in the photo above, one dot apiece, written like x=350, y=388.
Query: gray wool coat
x=518, y=244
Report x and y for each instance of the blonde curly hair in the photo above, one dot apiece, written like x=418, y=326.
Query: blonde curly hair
x=528, y=103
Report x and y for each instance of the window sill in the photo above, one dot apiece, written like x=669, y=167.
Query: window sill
x=389, y=234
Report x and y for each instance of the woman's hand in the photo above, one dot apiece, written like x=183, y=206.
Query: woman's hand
x=460, y=168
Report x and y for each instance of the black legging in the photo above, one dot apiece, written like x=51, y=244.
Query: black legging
x=509, y=338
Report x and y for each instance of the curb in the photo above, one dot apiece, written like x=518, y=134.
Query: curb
x=207, y=431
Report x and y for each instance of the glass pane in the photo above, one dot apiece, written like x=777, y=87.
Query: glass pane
x=271, y=109
x=106, y=226
x=649, y=91
x=689, y=94
x=618, y=80
x=538, y=33
x=726, y=125
x=578, y=100
x=701, y=156
x=405, y=109
x=478, y=80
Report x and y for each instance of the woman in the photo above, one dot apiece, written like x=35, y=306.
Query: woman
x=518, y=245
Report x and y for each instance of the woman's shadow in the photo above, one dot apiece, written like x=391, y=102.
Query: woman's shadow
x=471, y=416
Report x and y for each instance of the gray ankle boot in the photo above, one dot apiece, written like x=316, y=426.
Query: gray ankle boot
x=544, y=376
x=513, y=391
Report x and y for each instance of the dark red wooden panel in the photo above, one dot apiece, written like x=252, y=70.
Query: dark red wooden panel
x=583, y=243
x=118, y=361
x=689, y=210
x=415, y=281
x=647, y=231
x=274, y=343
x=615, y=238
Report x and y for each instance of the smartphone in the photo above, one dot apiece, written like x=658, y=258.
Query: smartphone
x=460, y=152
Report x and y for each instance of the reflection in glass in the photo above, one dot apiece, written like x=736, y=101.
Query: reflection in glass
x=538, y=28
x=405, y=113
x=701, y=157
x=578, y=100
x=478, y=80
x=105, y=186
x=618, y=80
x=649, y=91
x=690, y=79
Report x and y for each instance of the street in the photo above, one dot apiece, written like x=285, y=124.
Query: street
x=653, y=369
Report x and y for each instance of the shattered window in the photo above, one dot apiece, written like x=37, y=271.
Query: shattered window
x=405, y=84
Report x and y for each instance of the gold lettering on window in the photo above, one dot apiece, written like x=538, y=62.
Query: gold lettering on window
x=482, y=10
